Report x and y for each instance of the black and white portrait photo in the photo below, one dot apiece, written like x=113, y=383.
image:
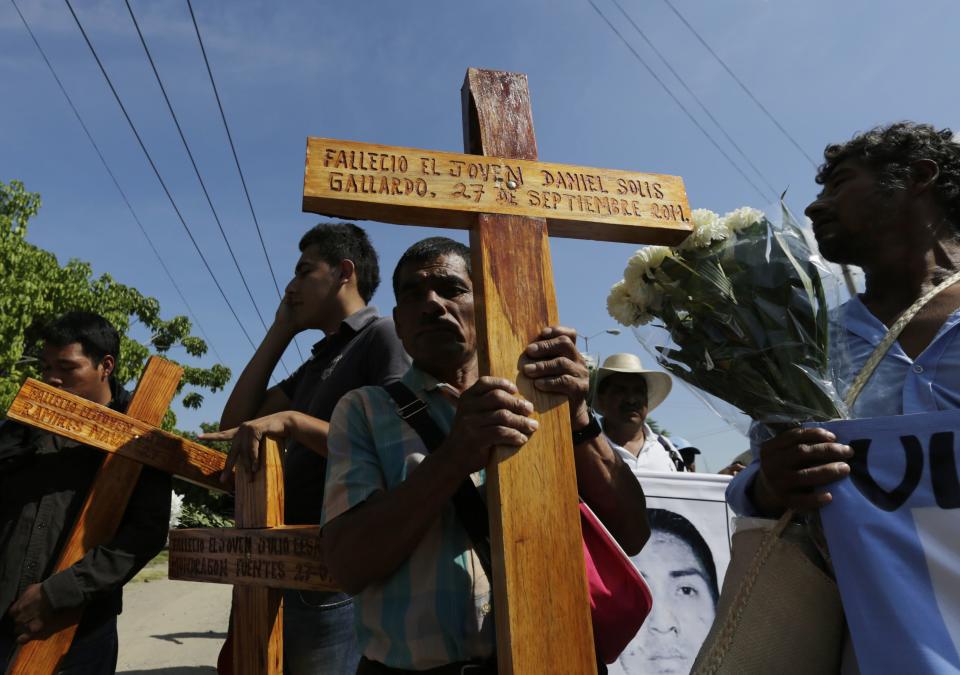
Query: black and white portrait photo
x=683, y=564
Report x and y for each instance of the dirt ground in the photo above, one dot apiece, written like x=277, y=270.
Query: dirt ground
x=171, y=627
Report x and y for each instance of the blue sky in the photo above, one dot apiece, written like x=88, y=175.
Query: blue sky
x=391, y=73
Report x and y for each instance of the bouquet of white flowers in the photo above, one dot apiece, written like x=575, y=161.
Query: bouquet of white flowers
x=744, y=314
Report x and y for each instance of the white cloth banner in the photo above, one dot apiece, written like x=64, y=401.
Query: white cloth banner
x=893, y=530
x=683, y=563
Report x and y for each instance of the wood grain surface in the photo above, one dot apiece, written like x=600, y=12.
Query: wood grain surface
x=258, y=611
x=444, y=189
x=65, y=414
x=107, y=499
x=289, y=556
x=259, y=495
x=531, y=493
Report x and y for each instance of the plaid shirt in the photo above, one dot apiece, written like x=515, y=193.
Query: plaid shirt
x=435, y=608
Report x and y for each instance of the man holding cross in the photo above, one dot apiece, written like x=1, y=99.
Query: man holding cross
x=335, y=278
x=44, y=480
x=392, y=534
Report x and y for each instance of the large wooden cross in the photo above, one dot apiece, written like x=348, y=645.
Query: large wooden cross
x=507, y=199
x=130, y=441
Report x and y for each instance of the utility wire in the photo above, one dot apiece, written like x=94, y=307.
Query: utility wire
x=742, y=85
x=116, y=184
x=236, y=160
x=676, y=100
x=696, y=98
x=845, y=269
x=196, y=170
x=156, y=172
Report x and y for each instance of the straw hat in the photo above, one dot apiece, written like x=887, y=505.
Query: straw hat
x=658, y=384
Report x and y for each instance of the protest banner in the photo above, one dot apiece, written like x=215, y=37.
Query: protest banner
x=684, y=563
x=893, y=530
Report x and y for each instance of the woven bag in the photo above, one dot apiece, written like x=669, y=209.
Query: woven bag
x=779, y=611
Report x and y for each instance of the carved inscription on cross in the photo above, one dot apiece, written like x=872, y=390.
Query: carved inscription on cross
x=130, y=441
x=507, y=199
x=259, y=557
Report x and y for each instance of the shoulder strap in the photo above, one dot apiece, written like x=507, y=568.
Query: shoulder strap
x=467, y=502
x=674, y=455
x=881, y=350
x=414, y=412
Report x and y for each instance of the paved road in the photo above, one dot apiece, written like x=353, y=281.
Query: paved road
x=171, y=627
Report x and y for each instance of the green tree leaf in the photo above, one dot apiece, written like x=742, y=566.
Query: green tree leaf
x=35, y=287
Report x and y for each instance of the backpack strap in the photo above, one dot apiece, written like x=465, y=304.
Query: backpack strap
x=467, y=501
x=674, y=455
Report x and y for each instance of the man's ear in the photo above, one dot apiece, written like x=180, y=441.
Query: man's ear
x=923, y=175
x=348, y=271
x=108, y=363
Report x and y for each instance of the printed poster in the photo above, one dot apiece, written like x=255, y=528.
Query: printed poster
x=684, y=563
x=893, y=530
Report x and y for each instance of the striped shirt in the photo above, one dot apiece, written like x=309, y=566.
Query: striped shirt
x=435, y=608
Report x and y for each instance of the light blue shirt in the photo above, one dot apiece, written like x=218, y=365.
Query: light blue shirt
x=435, y=608
x=899, y=386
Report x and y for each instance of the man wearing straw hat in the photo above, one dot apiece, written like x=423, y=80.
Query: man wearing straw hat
x=626, y=393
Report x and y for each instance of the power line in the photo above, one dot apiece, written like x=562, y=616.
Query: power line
x=742, y=85
x=676, y=100
x=696, y=98
x=196, y=170
x=156, y=172
x=116, y=184
x=236, y=160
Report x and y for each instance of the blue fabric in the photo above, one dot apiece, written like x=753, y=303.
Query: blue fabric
x=893, y=530
x=318, y=637
x=899, y=386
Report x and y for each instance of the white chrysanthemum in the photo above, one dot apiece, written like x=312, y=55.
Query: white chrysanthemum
x=619, y=305
x=743, y=217
x=644, y=261
x=628, y=306
x=707, y=227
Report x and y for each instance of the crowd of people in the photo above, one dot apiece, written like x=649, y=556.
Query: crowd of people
x=416, y=593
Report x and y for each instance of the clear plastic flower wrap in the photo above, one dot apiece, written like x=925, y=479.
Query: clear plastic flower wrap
x=740, y=312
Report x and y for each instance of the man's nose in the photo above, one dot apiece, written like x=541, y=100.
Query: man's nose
x=662, y=621
x=53, y=379
x=432, y=303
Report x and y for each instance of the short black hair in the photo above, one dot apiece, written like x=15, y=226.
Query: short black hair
x=891, y=150
x=346, y=241
x=429, y=249
x=97, y=336
x=675, y=524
